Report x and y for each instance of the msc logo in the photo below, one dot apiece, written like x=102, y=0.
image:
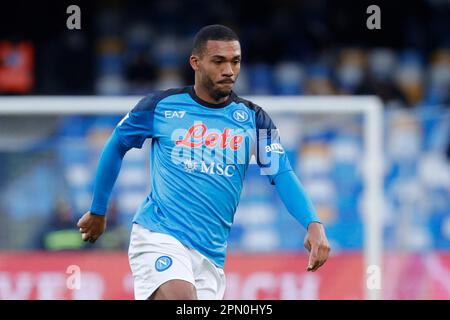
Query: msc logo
x=218, y=169
x=275, y=147
x=211, y=168
x=169, y=114
x=240, y=115
x=163, y=263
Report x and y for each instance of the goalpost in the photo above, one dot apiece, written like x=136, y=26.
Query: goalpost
x=369, y=107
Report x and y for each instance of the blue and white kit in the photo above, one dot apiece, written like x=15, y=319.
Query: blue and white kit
x=200, y=153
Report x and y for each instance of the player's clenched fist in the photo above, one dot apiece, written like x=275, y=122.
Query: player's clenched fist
x=91, y=226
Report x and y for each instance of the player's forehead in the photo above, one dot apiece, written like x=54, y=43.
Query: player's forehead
x=227, y=49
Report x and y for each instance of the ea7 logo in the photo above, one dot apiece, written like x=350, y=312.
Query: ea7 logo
x=174, y=114
x=275, y=147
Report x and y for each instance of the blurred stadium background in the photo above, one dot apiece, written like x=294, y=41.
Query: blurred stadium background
x=290, y=48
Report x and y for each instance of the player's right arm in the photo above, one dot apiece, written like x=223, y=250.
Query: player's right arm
x=93, y=222
x=131, y=132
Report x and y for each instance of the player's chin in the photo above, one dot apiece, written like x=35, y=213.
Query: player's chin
x=224, y=89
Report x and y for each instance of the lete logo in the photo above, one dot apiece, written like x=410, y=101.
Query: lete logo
x=211, y=140
x=163, y=263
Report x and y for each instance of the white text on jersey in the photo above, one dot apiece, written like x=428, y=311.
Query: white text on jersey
x=169, y=114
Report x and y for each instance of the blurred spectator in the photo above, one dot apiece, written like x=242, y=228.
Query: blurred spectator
x=168, y=77
x=61, y=232
x=439, y=78
x=110, y=79
x=319, y=81
x=409, y=76
x=117, y=235
x=289, y=78
x=140, y=69
x=388, y=91
x=350, y=70
x=290, y=48
x=141, y=47
x=140, y=73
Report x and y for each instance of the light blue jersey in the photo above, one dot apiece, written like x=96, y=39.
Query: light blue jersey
x=200, y=153
x=199, y=156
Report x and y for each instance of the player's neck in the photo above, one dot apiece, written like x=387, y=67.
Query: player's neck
x=203, y=94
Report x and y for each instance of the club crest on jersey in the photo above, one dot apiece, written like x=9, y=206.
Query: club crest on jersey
x=240, y=115
x=163, y=263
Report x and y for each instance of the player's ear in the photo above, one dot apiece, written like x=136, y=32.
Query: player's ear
x=194, y=61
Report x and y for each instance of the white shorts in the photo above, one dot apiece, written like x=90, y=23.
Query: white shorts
x=156, y=258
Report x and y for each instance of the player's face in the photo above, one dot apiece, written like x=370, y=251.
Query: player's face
x=219, y=66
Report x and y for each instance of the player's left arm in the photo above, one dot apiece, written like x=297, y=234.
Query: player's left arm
x=274, y=163
x=301, y=208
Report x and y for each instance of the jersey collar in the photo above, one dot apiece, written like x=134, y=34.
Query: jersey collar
x=197, y=99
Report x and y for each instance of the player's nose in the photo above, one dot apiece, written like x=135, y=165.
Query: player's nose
x=228, y=70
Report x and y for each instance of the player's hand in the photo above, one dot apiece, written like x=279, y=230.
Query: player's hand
x=91, y=226
x=316, y=243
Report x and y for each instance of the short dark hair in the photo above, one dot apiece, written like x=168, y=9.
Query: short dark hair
x=212, y=32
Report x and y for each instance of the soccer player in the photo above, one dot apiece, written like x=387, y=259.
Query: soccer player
x=203, y=137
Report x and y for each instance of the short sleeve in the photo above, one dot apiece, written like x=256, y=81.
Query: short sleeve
x=137, y=125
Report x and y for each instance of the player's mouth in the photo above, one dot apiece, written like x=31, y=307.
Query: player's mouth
x=226, y=82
